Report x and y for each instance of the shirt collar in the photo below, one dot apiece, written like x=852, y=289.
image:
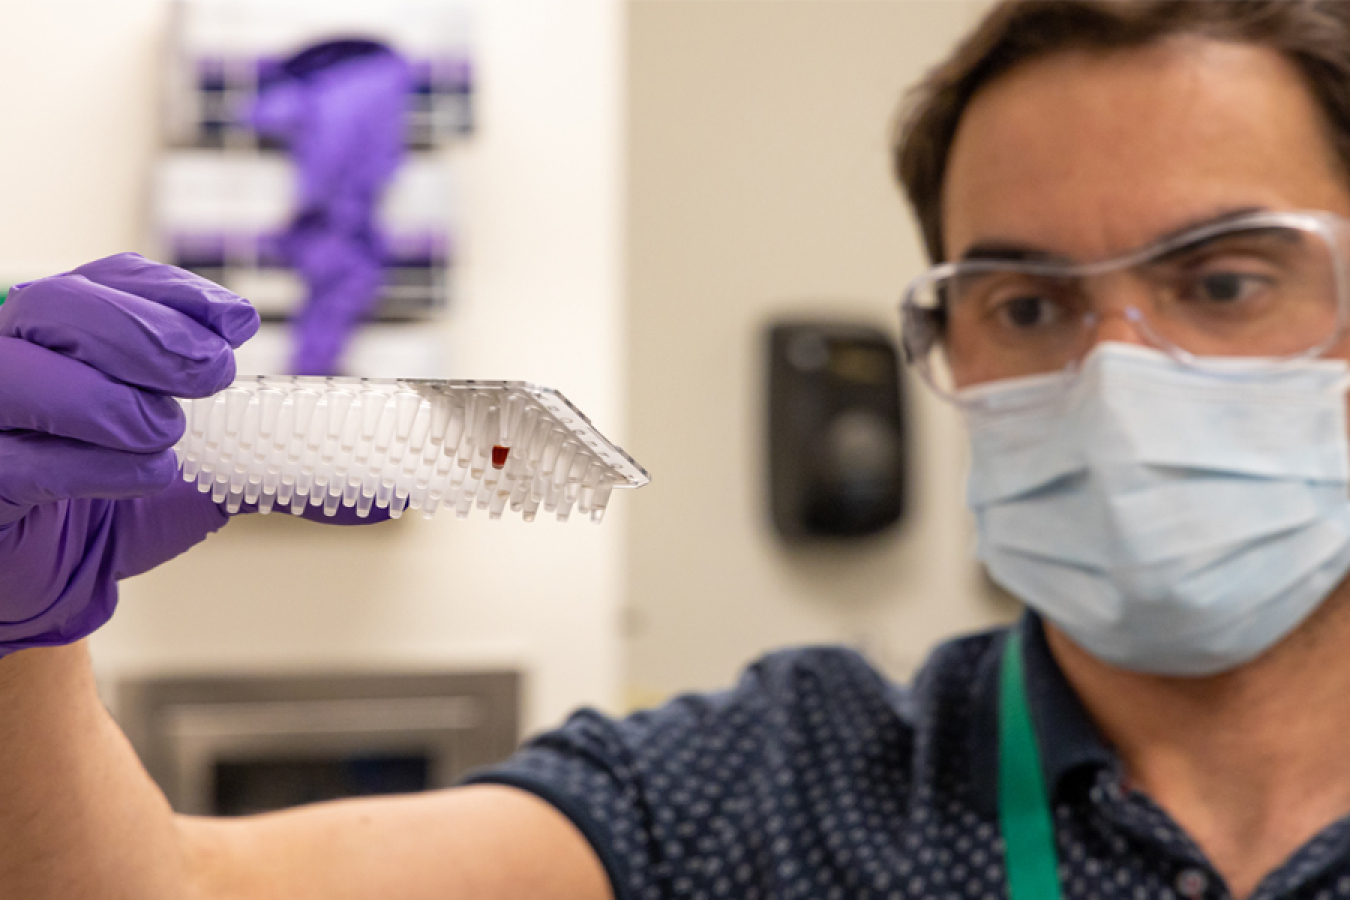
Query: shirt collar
x=1067, y=737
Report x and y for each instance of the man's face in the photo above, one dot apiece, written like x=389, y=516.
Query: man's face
x=1090, y=155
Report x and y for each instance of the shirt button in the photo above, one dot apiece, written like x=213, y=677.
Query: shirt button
x=1192, y=883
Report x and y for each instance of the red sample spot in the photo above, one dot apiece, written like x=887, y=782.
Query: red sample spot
x=499, y=455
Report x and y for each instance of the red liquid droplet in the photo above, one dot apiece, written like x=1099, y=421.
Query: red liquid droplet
x=499, y=455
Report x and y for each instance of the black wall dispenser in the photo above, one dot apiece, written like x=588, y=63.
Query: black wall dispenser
x=837, y=448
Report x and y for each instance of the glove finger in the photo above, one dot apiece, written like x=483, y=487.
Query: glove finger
x=124, y=336
x=346, y=516
x=44, y=392
x=205, y=302
x=39, y=468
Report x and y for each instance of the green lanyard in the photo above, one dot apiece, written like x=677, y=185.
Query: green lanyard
x=1023, y=804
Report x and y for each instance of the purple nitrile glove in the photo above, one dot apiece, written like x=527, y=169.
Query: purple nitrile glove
x=340, y=108
x=90, y=363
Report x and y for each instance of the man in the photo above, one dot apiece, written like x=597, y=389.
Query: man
x=1146, y=330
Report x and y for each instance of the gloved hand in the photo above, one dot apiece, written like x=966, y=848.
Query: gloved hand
x=89, y=364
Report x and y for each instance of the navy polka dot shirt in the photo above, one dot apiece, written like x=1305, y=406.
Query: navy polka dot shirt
x=815, y=777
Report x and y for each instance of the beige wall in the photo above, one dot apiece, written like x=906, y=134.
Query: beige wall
x=79, y=93
x=758, y=185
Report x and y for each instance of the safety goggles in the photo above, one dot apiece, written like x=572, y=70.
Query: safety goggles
x=1270, y=285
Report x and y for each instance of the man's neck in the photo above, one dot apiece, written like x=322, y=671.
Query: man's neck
x=1250, y=762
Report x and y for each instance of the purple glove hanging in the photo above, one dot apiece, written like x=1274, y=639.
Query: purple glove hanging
x=340, y=107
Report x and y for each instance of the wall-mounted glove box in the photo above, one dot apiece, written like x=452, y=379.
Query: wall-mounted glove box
x=221, y=49
x=222, y=215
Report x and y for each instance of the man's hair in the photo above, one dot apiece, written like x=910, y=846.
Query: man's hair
x=1314, y=35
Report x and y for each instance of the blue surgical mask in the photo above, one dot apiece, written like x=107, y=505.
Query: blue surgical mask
x=1168, y=520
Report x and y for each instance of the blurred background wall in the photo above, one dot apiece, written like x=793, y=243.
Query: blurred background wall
x=759, y=187
x=651, y=182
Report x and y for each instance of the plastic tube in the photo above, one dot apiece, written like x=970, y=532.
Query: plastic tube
x=292, y=443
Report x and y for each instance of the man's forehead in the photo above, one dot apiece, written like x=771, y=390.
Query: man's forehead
x=1087, y=155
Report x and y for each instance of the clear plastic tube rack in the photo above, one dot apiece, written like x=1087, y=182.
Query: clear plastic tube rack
x=293, y=442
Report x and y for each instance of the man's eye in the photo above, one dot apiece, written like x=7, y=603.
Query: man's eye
x=1028, y=311
x=1225, y=288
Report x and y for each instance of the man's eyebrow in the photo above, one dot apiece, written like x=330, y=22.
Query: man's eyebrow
x=1011, y=251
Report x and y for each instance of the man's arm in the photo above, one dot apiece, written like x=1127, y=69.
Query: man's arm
x=81, y=818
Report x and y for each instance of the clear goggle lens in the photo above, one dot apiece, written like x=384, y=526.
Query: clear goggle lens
x=1263, y=285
